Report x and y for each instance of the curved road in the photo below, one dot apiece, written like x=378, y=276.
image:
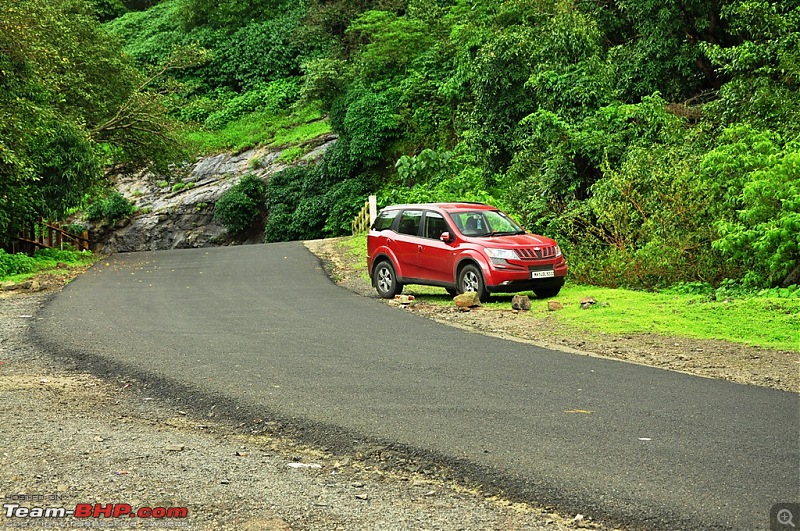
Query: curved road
x=260, y=332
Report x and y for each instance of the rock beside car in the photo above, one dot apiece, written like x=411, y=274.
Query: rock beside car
x=467, y=300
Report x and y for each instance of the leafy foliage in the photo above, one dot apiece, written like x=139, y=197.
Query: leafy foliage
x=110, y=209
x=758, y=178
x=21, y=264
x=15, y=264
x=762, y=65
x=241, y=206
x=270, y=98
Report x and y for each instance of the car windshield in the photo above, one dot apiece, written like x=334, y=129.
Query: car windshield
x=485, y=223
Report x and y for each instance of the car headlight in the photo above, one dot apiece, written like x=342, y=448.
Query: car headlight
x=558, y=251
x=505, y=254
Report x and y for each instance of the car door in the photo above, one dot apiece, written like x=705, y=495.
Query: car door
x=435, y=257
x=406, y=243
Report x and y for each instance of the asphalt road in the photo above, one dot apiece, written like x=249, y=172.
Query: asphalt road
x=260, y=331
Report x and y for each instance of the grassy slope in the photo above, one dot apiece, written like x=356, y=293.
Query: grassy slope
x=261, y=129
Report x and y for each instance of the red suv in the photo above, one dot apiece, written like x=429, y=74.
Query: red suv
x=460, y=247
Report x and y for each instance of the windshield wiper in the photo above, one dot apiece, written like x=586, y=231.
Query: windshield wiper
x=505, y=233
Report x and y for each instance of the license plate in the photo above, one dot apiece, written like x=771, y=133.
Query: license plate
x=543, y=274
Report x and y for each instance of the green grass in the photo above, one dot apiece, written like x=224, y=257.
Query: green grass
x=260, y=128
x=765, y=320
x=300, y=133
x=17, y=268
x=291, y=155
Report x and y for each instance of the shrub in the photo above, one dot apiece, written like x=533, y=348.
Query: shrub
x=758, y=180
x=270, y=98
x=110, y=209
x=241, y=206
x=284, y=193
x=74, y=228
x=15, y=264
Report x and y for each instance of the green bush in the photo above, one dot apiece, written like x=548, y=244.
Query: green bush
x=261, y=52
x=52, y=258
x=240, y=207
x=112, y=208
x=757, y=178
x=15, y=264
x=74, y=228
x=270, y=98
x=284, y=193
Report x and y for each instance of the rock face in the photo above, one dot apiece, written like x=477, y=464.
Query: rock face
x=180, y=213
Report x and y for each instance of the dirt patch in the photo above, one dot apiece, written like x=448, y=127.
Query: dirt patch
x=709, y=358
x=45, y=282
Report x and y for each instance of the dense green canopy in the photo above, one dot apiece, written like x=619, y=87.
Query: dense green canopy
x=658, y=140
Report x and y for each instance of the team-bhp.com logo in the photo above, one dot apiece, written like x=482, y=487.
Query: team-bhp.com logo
x=96, y=510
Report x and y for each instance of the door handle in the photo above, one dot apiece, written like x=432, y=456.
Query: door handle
x=419, y=248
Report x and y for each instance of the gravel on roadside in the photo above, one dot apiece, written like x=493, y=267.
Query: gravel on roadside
x=69, y=438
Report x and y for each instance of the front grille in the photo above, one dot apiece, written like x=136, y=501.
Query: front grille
x=536, y=253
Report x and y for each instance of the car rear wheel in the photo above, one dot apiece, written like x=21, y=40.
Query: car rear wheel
x=471, y=279
x=385, y=280
x=544, y=293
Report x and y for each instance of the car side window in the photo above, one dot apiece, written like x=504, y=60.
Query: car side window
x=435, y=225
x=385, y=219
x=409, y=222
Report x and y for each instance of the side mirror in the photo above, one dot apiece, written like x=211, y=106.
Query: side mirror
x=446, y=237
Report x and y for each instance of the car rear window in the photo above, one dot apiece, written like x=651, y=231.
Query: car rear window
x=385, y=219
x=409, y=222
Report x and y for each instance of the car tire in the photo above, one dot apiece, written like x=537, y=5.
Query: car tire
x=545, y=293
x=470, y=278
x=385, y=280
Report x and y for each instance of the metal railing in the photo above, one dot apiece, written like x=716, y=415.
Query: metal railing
x=42, y=234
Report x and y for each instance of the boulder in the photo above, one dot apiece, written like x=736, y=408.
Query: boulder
x=469, y=299
x=554, y=306
x=8, y=286
x=521, y=302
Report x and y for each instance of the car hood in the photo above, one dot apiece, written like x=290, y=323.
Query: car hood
x=518, y=240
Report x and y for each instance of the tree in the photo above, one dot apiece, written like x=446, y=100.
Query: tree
x=64, y=87
x=761, y=67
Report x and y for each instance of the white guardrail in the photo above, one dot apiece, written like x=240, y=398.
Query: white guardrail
x=366, y=217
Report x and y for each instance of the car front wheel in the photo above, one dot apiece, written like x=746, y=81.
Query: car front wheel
x=385, y=280
x=471, y=279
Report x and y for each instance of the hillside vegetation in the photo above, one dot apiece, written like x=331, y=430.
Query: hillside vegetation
x=658, y=141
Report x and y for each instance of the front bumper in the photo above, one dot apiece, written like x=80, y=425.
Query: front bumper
x=511, y=277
